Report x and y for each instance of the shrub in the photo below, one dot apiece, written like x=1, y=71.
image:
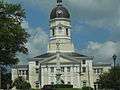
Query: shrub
x=87, y=88
x=63, y=86
x=20, y=83
x=53, y=87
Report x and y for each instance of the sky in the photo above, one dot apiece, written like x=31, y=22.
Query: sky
x=95, y=27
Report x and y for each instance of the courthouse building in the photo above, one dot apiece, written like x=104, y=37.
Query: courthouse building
x=60, y=64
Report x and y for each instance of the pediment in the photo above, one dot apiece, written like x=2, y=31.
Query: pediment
x=62, y=59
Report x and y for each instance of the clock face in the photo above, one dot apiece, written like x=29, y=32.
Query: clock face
x=59, y=12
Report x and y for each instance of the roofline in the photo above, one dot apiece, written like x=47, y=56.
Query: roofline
x=20, y=66
x=105, y=65
x=60, y=19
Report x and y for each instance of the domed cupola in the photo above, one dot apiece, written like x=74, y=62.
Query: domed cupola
x=60, y=29
x=59, y=11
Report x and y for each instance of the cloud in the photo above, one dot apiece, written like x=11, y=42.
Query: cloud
x=96, y=12
x=37, y=43
x=103, y=52
x=93, y=20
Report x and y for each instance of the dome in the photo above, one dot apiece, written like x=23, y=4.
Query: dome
x=59, y=12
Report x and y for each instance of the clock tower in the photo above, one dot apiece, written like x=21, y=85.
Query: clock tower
x=60, y=29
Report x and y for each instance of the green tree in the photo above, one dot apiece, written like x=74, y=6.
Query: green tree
x=12, y=36
x=6, y=79
x=87, y=88
x=110, y=80
x=20, y=83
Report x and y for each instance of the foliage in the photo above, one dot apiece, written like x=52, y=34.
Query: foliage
x=20, y=83
x=56, y=86
x=12, y=36
x=87, y=88
x=6, y=79
x=110, y=80
x=49, y=87
x=62, y=86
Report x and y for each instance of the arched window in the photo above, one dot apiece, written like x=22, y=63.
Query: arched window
x=53, y=32
x=67, y=31
x=60, y=28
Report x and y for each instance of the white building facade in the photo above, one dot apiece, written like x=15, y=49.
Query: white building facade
x=61, y=58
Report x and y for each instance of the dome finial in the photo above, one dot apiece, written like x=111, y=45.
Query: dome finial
x=59, y=1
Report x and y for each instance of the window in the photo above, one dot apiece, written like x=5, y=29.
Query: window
x=60, y=28
x=83, y=69
x=53, y=32
x=37, y=84
x=52, y=83
x=37, y=70
x=69, y=83
x=98, y=71
x=84, y=83
x=84, y=61
x=52, y=69
x=37, y=63
x=27, y=72
x=23, y=72
x=19, y=72
x=94, y=70
x=101, y=70
x=68, y=69
x=67, y=31
x=62, y=69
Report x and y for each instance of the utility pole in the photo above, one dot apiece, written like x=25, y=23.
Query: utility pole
x=114, y=60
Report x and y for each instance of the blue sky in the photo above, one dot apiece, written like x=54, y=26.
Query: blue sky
x=95, y=26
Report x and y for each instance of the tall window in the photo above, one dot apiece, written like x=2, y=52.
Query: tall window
x=68, y=69
x=37, y=63
x=84, y=83
x=37, y=70
x=52, y=69
x=23, y=72
x=83, y=69
x=53, y=32
x=84, y=61
x=67, y=31
x=20, y=72
x=94, y=70
x=37, y=84
x=62, y=69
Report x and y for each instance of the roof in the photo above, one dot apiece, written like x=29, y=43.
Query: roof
x=102, y=64
x=46, y=55
x=59, y=12
x=49, y=55
x=73, y=54
x=20, y=66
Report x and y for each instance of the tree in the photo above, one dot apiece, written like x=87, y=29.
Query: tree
x=6, y=79
x=12, y=36
x=20, y=83
x=110, y=80
x=87, y=88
